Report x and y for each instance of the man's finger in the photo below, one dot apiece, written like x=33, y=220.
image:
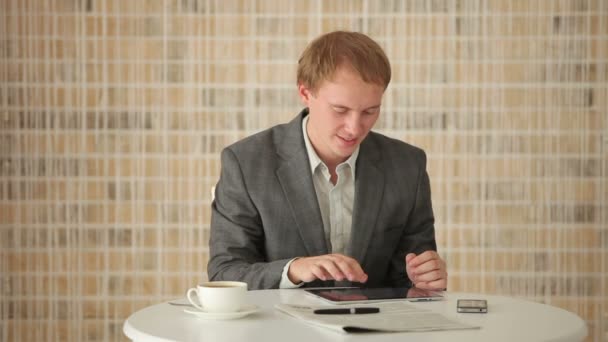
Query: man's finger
x=422, y=258
x=430, y=276
x=409, y=257
x=351, y=269
x=341, y=267
x=428, y=266
x=319, y=273
x=439, y=285
x=332, y=269
x=327, y=267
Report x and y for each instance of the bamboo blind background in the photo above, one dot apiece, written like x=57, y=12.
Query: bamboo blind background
x=113, y=114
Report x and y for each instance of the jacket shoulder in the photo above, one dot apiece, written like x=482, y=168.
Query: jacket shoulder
x=396, y=149
x=259, y=146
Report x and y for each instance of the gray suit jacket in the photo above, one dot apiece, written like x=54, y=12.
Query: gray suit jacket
x=266, y=212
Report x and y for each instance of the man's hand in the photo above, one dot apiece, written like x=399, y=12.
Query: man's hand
x=326, y=267
x=427, y=270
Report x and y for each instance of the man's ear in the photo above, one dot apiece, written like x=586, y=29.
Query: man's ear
x=304, y=93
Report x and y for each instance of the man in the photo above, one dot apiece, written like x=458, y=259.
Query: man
x=322, y=199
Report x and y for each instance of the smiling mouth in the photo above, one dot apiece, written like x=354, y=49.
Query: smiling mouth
x=348, y=141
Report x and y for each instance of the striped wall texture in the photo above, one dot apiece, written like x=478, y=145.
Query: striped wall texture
x=113, y=114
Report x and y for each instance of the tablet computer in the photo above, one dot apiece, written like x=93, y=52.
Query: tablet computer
x=370, y=295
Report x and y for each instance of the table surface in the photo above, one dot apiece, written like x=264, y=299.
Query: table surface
x=508, y=319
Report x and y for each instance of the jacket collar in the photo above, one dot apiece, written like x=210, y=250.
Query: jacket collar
x=296, y=180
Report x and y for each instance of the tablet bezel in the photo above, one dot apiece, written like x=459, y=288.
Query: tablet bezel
x=428, y=296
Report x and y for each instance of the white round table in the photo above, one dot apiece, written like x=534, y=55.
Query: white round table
x=508, y=319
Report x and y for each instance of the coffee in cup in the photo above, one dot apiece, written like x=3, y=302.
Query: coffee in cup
x=218, y=296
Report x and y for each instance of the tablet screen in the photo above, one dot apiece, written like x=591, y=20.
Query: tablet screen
x=366, y=295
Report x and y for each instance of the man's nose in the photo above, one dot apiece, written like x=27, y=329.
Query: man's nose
x=353, y=124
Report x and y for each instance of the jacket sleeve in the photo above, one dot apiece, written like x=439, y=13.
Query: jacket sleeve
x=237, y=243
x=419, y=232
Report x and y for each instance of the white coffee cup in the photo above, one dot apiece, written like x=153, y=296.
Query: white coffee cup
x=218, y=296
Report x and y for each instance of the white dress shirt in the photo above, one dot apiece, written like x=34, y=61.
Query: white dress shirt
x=335, y=201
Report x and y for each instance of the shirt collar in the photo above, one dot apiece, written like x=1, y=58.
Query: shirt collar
x=314, y=158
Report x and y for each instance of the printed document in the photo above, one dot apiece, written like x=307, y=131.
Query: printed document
x=393, y=317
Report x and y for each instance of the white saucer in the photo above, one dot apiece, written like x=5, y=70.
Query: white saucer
x=247, y=310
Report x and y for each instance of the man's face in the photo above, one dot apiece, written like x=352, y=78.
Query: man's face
x=342, y=112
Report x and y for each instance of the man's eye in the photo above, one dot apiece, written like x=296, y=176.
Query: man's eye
x=339, y=110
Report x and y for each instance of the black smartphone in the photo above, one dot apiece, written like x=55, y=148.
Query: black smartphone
x=472, y=305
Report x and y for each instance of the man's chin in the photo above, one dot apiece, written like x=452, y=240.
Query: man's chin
x=345, y=153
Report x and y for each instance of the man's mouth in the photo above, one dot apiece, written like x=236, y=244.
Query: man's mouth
x=348, y=141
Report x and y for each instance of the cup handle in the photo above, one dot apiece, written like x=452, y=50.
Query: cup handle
x=190, y=291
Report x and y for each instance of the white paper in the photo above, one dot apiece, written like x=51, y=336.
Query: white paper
x=393, y=316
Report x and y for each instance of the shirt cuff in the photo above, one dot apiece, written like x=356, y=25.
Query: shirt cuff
x=285, y=282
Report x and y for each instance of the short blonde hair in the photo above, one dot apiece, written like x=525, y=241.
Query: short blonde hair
x=324, y=55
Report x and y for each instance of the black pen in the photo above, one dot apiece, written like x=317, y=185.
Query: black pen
x=347, y=311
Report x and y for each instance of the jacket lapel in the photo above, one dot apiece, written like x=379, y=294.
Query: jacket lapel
x=296, y=180
x=369, y=185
